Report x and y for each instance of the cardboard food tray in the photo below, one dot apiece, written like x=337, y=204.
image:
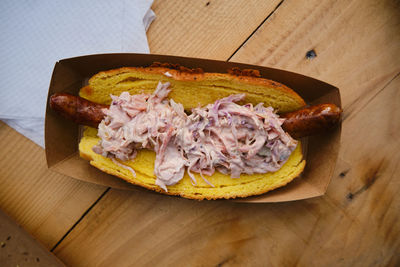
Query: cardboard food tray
x=62, y=136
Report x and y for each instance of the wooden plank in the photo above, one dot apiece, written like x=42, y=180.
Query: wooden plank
x=45, y=203
x=160, y=230
x=364, y=194
x=18, y=248
x=356, y=44
x=354, y=224
x=206, y=28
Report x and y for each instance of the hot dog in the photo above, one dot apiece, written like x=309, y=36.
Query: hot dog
x=77, y=109
x=197, y=156
x=311, y=120
x=300, y=123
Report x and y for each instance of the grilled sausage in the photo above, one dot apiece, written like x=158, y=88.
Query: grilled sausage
x=311, y=120
x=300, y=123
x=77, y=109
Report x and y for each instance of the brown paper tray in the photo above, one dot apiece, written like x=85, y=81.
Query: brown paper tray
x=62, y=136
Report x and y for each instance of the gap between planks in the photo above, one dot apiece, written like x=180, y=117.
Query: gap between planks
x=256, y=29
x=350, y=110
x=80, y=219
x=108, y=189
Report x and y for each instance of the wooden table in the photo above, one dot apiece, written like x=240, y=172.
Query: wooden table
x=354, y=45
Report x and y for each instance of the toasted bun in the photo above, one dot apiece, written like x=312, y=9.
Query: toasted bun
x=225, y=186
x=192, y=88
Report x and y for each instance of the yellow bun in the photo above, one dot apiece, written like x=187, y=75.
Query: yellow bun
x=225, y=186
x=191, y=88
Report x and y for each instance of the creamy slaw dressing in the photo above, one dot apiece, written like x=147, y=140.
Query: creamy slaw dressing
x=222, y=136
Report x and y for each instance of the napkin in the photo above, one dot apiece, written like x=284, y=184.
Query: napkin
x=36, y=34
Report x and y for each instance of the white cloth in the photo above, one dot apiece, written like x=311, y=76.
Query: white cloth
x=34, y=35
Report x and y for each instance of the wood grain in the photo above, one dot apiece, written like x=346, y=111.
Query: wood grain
x=358, y=51
x=206, y=28
x=18, y=248
x=354, y=224
x=356, y=44
x=364, y=193
x=45, y=203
